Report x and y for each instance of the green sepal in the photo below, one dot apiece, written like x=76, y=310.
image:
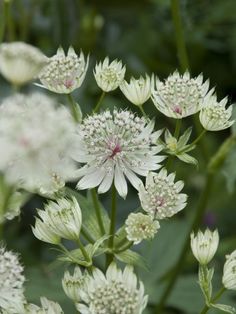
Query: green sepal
x=225, y=308
x=205, y=276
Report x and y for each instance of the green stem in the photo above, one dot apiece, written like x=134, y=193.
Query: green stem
x=143, y=112
x=177, y=128
x=124, y=248
x=97, y=107
x=85, y=233
x=2, y=20
x=84, y=252
x=9, y=21
x=98, y=211
x=112, y=225
x=215, y=298
x=196, y=222
x=73, y=108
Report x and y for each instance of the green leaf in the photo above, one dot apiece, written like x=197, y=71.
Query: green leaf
x=224, y=308
x=184, y=138
x=98, y=243
x=187, y=158
x=131, y=258
x=205, y=276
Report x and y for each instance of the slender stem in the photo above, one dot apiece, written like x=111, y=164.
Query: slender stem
x=9, y=21
x=83, y=251
x=177, y=128
x=73, y=108
x=122, y=242
x=215, y=298
x=97, y=107
x=2, y=20
x=196, y=222
x=112, y=225
x=85, y=233
x=124, y=248
x=98, y=211
x=143, y=112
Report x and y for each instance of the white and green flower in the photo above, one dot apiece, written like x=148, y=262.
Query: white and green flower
x=229, y=273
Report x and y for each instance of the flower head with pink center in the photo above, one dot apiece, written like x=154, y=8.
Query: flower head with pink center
x=115, y=146
x=161, y=197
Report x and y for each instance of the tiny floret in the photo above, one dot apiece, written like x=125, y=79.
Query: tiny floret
x=140, y=227
x=74, y=284
x=138, y=91
x=109, y=75
x=204, y=245
x=161, y=197
x=114, y=146
x=116, y=292
x=214, y=116
x=229, y=273
x=20, y=62
x=64, y=73
x=179, y=95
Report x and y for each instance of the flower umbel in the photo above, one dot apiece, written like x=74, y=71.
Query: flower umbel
x=161, y=197
x=229, y=274
x=109, y=75
x=180, y=96
x=20, y=62
x=63, y=74
x=115, y=145
x=140, y=227
x=204, y=245
x=115, y=293
x=138, y=91
x=214, y=116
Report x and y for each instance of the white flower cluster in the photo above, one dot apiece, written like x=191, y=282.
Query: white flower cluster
x=34, y=139
x=229, y=275
x=48, y=307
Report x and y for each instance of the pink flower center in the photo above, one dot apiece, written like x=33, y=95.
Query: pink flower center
x=115, y=150
x=177, y=109
x=69, y=83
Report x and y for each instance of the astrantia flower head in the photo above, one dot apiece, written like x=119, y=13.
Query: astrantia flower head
x=12, y=280
x=180, y=96
x=34, y=139
x=204, y=245
x=116, y=293
x=229, y=274
x=63, y=74
x=138, y=91
x=74, y=284
x=214, y=116
x=140, y=227
x=48, y=307
x=161, y=197
x=115, y=145
x=109, y=75
x=63, y=218
x=20, y=62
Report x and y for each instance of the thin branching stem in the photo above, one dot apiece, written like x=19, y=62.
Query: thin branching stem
x=215, y=298
x=98, y=105
x=98, y=211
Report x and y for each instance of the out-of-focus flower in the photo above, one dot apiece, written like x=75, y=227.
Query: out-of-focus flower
x=35, y=136
x=12, y=281
x=140, y=227
x=214, y=116
x=180, y=96
x=74, y=284
x=114, y=146
x=229, y=274
x=48, y=307
x=63, y=74
x=20, y=62
x=138, y=91
x=62, y=218
x=98, y=297
x=109, y=75
x=204, y=245
x=161, y=197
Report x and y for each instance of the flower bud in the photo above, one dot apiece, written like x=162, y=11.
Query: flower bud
x=72, y=284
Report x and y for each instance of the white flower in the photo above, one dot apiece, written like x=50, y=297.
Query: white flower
x=62, y=218
x=109, y=76
x=229, y=274
x=161, y=197
x=20, y=62
x=214, y=116
x=115, y=293
x=140, y=227
x=74, y=284
x=138, y=91
x=180, y=96
x=114, y=146
x=204, y=245
x=34, y=139
x=63, y=74
x=48, y=307
x=12, y=281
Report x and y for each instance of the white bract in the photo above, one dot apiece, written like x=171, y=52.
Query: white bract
x=161, y=197
x=74, y=284
x=114, y=146
x=48, y=307
x=109, y=75
x=214, y=116
x=20, y=62
x=61, y=218
x=204, y=245
x=34, y=139
x=64, y=73
x=180, y=96
x=140, y=227
x=116, y=292
x=138, y=91
x=12, y=281
x=229, y=274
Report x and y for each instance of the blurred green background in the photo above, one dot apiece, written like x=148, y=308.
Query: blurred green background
x=141, y=33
